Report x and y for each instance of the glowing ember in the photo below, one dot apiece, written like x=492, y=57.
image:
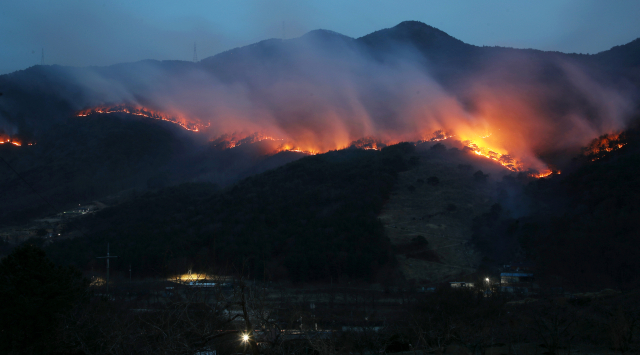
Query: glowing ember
x=144, y=112
x=368, y=143
x=504, y=159
x=228, y=141
x=544, y=174
x=12, y=140
x=17, y=144
x=438, y=136
x=477, y=148
x=292, y=148
x=607, y=143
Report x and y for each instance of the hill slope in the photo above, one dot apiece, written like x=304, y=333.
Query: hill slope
x=313, y=219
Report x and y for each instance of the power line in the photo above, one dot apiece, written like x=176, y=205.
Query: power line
x=109, y=257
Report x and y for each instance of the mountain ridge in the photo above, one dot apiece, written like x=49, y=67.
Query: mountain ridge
x=307, y=81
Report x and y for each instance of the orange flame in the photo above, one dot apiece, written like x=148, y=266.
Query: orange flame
x=368, y=143
x=11, y=140
x=293, y=148
x=479, y=146
x=144, y=112
x=439, y=135
x=604, y=144
x=504, y=159
x=228, y=141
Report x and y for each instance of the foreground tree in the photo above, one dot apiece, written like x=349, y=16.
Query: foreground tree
x=34, y=293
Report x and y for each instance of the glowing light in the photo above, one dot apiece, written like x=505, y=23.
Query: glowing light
x=439, y=135
x=245, y=338
x=97, y=281
x=544, y=174
x=191, y=277
x=367, y=143
x=490, y=149
x=228, y=141
x=504, y=159
x=9, y=140
x=292, y=148
x=477, y=148
x=144, y=112
x=607, y=143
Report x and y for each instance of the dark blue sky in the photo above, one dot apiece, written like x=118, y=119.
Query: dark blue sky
x=104, y=32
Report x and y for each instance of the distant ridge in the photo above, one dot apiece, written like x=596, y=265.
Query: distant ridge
x=322, y=33
x=623, y=56
x=413, y=31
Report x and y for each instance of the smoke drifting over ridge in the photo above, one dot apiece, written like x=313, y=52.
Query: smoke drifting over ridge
x=322, y=91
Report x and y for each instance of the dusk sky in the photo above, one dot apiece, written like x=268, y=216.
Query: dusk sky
x=105, y=32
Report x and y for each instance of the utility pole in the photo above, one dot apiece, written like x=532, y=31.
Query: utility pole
x=42, y=57
x=107, y=257
x=283, y=36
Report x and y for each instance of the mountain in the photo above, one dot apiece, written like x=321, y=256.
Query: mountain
x=320, y=219
x=103, y=156
x=179, y=122
x=309, y=220
x=61, y=91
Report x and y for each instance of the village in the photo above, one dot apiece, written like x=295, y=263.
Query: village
x=47, y=228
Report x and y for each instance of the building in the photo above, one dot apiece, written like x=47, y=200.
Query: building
x=517, y=282
x=457, y=284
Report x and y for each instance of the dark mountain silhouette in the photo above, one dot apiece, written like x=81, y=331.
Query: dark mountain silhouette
x=97, y=158
x=436, y=46
x=312, y=219
x=39, y=95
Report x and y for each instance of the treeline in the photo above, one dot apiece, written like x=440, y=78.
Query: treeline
x=313, y=219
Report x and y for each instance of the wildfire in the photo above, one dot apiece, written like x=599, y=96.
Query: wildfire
x=504, y=159
x=544, y=174
x=12, y=140
x=439, y=135
x=9, y=141
x=292, y=148
x=228, y=141
x=144, y=112
x=607, y=143
x=477, y=147
x=368, y=143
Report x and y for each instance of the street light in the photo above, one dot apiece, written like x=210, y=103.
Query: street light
x=245, y=338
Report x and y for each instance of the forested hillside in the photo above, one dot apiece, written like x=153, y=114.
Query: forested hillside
x=313, y=219
x=582, y=227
